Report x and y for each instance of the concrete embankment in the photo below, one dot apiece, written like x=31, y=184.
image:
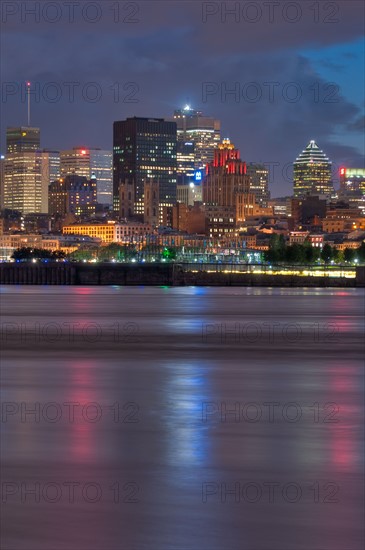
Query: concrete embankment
x=158, y=274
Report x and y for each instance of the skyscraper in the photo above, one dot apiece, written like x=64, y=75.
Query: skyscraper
x=226, y=191
x=185, y=161
x=2, y=172
x=145, y=149
x=26, y=173
x=312, y=172
x=23, y=182
x=50, y=171
x=226, y=176
x=88, y=162
x=22, y=139
x=202, y=131
x=352, y=181
x=259, y=182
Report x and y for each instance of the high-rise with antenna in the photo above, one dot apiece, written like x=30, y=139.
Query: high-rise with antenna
x=26, y=168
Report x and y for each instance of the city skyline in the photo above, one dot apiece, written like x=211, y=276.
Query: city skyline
x=182, y=267
x=151, y=59
x=272, y=166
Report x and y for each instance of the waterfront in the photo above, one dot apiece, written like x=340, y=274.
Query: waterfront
x=176, y=274
x=152, y=405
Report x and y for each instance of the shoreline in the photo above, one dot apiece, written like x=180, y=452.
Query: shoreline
x=163, y=274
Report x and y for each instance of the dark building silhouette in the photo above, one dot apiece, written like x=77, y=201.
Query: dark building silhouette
x=145, y=149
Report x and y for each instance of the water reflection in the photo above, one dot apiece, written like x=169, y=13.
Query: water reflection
x=186, y=388
x=83, y=442
x=167, y=374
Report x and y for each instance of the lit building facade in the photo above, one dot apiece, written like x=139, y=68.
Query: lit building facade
x=313, y=173
x=259, y=182
x=185, y=160
x=27, y=176
x=22, y=139
x=26, y=183
x=190, y=193
x=50, y=171
x=352, y=181
x=226, y=190
x=225, y=176
x=145, y=149
x=72, y=195
x=202, y=131
x=110, y=232
x=220, y=221
x=24, y=189
x=2, y=174
x=90, y=162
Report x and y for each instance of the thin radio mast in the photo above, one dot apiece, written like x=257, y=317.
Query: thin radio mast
x=28, y=94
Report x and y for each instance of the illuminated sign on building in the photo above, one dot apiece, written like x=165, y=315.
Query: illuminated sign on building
x=198, y=175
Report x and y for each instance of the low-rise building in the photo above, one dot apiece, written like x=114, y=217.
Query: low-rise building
x=298, y=237
x=316, y=240
x=110, y=232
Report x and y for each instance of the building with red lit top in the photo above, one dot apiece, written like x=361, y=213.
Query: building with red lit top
x=225, y=176
x=226, y=190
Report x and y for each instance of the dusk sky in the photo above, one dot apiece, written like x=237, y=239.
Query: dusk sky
x=297, y=68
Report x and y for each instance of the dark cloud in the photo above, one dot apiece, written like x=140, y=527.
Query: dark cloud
x=166, y=58
x=357, y=125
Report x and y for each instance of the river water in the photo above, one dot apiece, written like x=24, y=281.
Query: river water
x=182, y=418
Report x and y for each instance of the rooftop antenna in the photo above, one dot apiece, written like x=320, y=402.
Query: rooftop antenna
x=28, y=94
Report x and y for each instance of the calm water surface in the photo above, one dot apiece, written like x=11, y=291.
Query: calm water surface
x=182, y=418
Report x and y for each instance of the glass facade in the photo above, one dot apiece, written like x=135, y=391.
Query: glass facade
x=313, y=173
x=352, y=181
x=23, y=182
x=259, y=182
x=185, y=160
x=145, y=149
x=22, y=139
x=88, y=162
x=202, y=131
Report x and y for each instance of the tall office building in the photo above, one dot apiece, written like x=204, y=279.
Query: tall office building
x=226, y=191
x=50, y=171
x=89, y=162
x=27, y=171
x=27, y=176
x=22, y=139
x=225, y=176
x=73, y=194
x=352, y=181
x=202, y=131
x=185, y=161
x=312, y=173
x=144, y=149
x=23, y=183
x=2, y=173
x=259, y=182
